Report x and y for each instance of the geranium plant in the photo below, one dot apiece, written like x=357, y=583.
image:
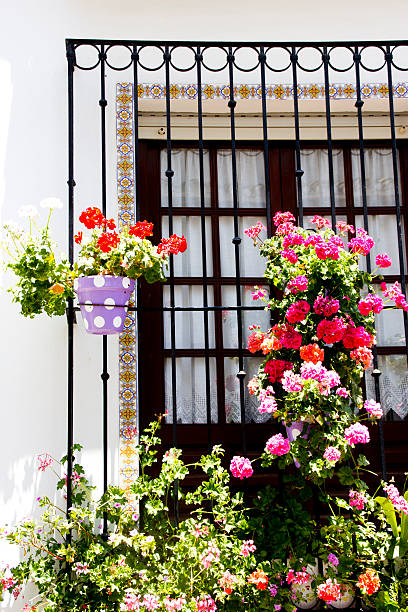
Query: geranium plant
x=149, y=561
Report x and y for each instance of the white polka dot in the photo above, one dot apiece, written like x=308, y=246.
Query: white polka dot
x=86, y=324
x=109, y=303
x=99, y=321
x=126, y=282
x=89, y=306
x=75, y=284
x=117, y=321
x=99, y=281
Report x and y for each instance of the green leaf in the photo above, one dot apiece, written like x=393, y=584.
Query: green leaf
x=389, y=512
x=404, y=530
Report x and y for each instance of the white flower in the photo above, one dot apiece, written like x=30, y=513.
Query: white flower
x=27, y=211
x=51, y=203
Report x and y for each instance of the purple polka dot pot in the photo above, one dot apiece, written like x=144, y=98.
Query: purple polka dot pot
x=103, y=301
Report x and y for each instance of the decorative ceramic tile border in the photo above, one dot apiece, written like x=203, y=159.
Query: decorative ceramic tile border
x=128, y=416
x=314, y=91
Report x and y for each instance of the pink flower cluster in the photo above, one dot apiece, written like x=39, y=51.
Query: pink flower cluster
x=354, y=337
x=298, y=578
x=45, y=461
x=329, y=591
x=328, y=250
x=397, y=500
x=278, y=445
x=258, y=294
x=394, y=293
x=151, y=602
x=332, y=454
x=210, y=555
x=362, y=243
x=370, y=303
x=343, y=227
x=283, y=217
x=290, y=255
x=356, y=434
x=331, y=331
x=373, y=408
x=254, y=231
x=293, y=239
x=320, y=222
x=326, y=306
x=383, y=260
x=357, y=499
x=297, y=311
x=268, y=403
x=247, y=547
x=342, y=392
x=174, y=604
x=241, y=467
x=327, y=379
x=299, y=283
x=131, y=601
x=205, y=603
x=291, y=382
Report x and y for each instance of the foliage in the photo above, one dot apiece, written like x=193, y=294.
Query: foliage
x=142, y=563
x=44, y=282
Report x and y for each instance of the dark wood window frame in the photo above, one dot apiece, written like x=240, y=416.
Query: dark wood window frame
x=283, y=197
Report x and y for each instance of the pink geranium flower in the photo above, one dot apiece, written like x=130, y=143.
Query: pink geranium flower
x=278, y=445
x=241, y=467
x=357, y=434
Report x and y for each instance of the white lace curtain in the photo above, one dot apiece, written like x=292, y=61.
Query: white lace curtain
x=190, y=376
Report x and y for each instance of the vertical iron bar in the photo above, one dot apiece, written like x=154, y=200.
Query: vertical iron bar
x=236, y=242
x=70, y=310
x=376, y=373
x=298, y=172
x=105, y=374
x=169, y=174
x=326, y=59
x=199, y=59
x=388, y=59
x=262, y=61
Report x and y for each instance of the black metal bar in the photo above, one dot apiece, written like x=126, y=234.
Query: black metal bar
x=105, y=375
x=203, y=246
x=169, y=175
x=236, y=242
x=262, y=62
x=70, y=309
x=298, y=172
x=326, y=60
x=359, y=105
x=211, y=43
x=388, y=59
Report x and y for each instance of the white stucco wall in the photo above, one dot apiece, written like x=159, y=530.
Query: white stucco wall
x=33, y=165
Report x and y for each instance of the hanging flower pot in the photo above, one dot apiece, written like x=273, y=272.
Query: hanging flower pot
x=103, y=301
x=293, y=430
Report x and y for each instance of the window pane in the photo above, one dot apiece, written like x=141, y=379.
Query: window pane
x=190, y=263
x=232, y=396
x=186, y=179
x=251, y=262
x=189, y=326
x=190, y=390
x=251, y=317
x=379, y=177
x=389, y=325
x=250, y=179
x=315, y=181
x=383, y=229
x=393, y=384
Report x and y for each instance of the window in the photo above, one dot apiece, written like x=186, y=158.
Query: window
x=213, y=374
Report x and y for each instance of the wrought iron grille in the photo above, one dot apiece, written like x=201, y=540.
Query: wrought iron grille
x=207, y=62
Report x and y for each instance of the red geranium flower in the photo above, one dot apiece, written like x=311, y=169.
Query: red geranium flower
x=78, y=237
x=108, y=241
x=174, y=245
x=141, y=229
x=92, y=217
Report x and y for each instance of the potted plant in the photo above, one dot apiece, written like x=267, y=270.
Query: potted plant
x=109, y=262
